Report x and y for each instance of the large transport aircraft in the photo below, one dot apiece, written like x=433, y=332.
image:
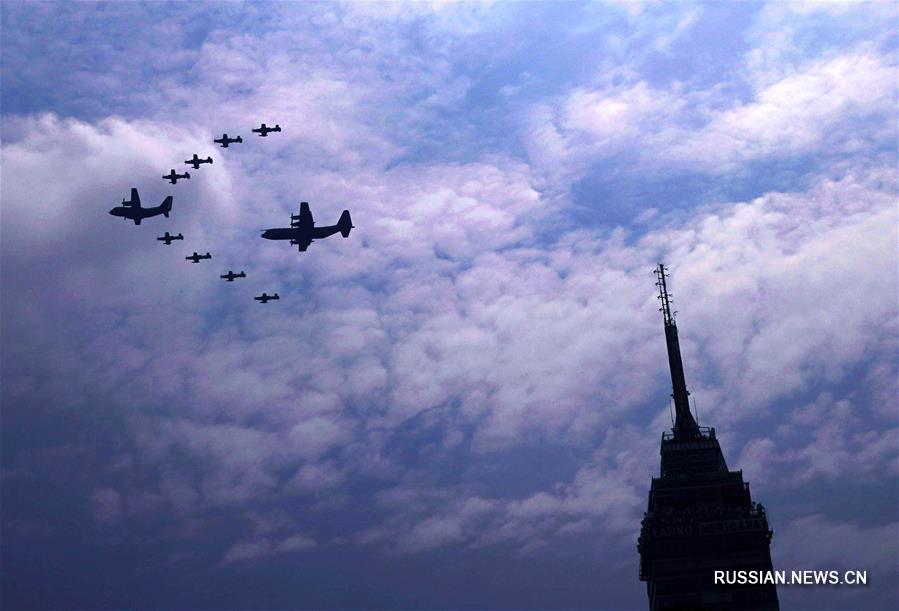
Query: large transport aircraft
x=302, y=231
x=131, y=209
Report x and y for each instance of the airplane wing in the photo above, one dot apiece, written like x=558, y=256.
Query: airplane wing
x=305, y=215
x=303, y=243
x=135, y=198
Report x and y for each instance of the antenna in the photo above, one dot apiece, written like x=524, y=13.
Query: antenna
x=664, y=296
x=685, y=426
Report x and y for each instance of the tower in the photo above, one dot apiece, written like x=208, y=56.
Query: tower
x=700, y=517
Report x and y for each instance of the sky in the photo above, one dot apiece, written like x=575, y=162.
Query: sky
x=460, y=405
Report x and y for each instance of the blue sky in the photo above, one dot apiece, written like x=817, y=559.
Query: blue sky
x=460, y=405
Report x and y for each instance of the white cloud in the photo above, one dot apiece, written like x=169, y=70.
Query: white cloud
x=781, y=33
x=454, y=310
x=822, y=109
x=830, y=107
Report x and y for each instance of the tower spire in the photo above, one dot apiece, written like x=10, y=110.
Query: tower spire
x=685, y=426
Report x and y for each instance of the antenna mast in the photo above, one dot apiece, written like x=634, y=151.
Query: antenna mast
x=685, y=426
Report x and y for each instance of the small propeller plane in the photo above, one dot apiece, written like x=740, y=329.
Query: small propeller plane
x=230, y=276
x=196, y=258
x=264, y=131
x=196, y=161
x=302, y=231
x=173, y=177
x=131, y=209
x=168, y=238
x=225, y=140
x=263, y=298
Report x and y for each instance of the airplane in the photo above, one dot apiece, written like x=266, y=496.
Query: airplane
x=171, y=176
x=168, y=239
x=196, y=161
x=230, y=276
x=225, y=140
x=196, y=258
x=302, y=231
x=263, y=131
x=132, y=209
x=263, y=298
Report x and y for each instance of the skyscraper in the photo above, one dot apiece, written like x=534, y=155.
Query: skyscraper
x=700, y=517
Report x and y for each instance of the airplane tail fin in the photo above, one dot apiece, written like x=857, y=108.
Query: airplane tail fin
x=345, y=224
x=187, y=175
x=167, y=206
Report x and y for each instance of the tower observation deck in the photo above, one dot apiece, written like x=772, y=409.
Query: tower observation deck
x=700, y=517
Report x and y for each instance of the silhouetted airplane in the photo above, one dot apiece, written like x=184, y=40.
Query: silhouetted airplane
x=266, y=298
x=168, y=239
x=171, y=176
x=196, y=258
x=302, y=230
x=264, y=131
x=225, y=140
x=132, y=209
x=196, y=161
x=230, y=276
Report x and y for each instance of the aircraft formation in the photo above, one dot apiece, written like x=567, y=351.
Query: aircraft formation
x=301, y=233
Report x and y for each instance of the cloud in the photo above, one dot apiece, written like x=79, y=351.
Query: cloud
x=817, y=542
x=839, y=105
x=828, y=106
x=783, y=36
x=514, y=342
x=245, y=551
x=605, y=495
